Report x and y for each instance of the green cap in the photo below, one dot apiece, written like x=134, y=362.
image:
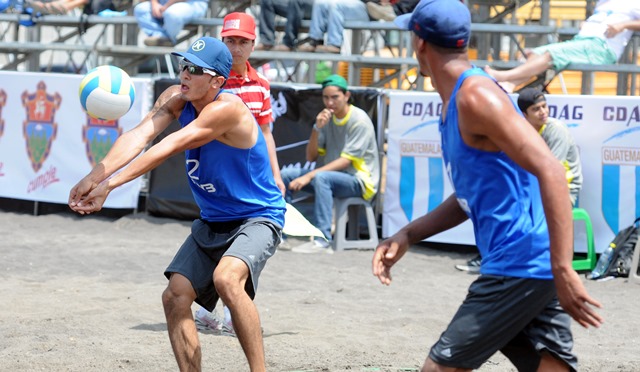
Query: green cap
x=336, y=81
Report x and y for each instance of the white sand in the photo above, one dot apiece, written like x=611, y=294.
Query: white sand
x=83, y=294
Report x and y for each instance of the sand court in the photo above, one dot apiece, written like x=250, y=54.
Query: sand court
x=83, y=294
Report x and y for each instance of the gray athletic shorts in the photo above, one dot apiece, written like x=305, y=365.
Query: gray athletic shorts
x=520, y=317
x=253, y=241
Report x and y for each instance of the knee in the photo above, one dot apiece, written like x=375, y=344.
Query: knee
x=141, y=9
x=229, y=283
x=173, y=17
x=321, y=179
x=173, y=298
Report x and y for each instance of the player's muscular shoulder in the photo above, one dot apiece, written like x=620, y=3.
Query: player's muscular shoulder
x=481, y=107
x=170, y=101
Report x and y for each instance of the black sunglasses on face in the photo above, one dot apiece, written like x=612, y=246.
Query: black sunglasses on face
x=194, y=70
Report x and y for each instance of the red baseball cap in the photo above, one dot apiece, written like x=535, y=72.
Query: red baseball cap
x=239, y=24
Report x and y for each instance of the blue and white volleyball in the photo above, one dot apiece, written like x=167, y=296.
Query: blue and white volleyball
x=107, y=93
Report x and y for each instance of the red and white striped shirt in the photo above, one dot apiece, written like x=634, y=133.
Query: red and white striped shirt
x=255, y=91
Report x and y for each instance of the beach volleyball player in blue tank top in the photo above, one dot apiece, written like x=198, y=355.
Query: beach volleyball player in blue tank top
x=507, y=181
x=241, y=208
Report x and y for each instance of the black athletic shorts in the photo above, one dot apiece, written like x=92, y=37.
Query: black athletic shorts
x=253, y=241
x=520, y=317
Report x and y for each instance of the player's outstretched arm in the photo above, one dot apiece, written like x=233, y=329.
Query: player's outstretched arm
x=445, y=216
x=129, y=145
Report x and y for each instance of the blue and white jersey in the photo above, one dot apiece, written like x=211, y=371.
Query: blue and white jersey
x=229, y=183
x=501, y=199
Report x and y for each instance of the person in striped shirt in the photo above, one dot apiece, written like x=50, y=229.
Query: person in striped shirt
x=239, y=34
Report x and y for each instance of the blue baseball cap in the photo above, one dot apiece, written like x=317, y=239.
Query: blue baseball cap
x=446, y=23
x=209, y=53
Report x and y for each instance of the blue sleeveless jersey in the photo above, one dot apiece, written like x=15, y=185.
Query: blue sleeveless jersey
x=501, y=199
x=229, y=183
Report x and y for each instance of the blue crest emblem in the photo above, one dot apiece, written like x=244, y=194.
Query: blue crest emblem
x=98, y=136
x=39, y=129
x=620, y=166
x=410, y=165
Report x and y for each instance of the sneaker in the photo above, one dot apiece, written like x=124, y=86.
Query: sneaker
x=315, y=246
x=328, y=49
x=227, y=329
x=472, y=266
x=208, y=321
x=322, y=243
x=289, y=242
x=381, y=12
x=284, y=245
x=307, y=48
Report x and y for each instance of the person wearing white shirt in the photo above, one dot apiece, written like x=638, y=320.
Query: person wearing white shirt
x=600, y=41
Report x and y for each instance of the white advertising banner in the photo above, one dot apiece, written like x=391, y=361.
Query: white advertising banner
x=48, y=143
x=606, y=129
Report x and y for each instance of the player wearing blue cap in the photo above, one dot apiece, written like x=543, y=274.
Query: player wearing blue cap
x=241, y=208
x=507, y=181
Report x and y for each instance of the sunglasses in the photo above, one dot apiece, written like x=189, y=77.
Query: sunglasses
x=194, y=70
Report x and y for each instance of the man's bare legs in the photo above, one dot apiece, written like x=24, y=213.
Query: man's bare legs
x=177, y=300
x=229, y=279
x=547, y=363
x=535, y=65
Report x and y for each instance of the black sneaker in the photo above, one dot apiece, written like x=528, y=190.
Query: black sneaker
x=472, y=266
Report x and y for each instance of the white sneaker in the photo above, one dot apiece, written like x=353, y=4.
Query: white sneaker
x=472, y=266
x=208, y=321
x=227, y=329
x=313, y=247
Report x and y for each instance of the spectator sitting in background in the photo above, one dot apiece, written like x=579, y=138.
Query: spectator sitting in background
x=162, y=20
x=388, y=10
x=294, y=11
x=601, y=40
x=555, y=134
x=343, y=145
x=328, y=16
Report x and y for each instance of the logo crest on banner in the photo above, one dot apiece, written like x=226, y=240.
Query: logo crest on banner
x=3, y=101
x=39, y=130
x=620, y=178
x=420, y=158
x=98, y=136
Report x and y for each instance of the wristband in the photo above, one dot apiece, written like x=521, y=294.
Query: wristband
x=315, y=127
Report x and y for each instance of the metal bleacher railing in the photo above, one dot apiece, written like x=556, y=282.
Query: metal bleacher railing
x=80, y=43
